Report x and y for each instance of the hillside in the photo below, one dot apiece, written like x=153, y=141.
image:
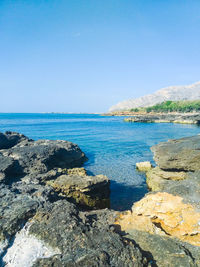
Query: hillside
x=174, y=93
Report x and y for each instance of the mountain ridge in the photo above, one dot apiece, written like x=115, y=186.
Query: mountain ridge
x=174, y=93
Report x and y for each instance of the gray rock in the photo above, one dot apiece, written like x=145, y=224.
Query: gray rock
x=188, y=189
x=39, y=157
x=15, y=210
x=9, y=168
x=82, y=240
x=178, y=155
x=10, y=139
x=164, y=251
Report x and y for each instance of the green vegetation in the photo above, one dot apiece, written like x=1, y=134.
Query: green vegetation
x=171, y=106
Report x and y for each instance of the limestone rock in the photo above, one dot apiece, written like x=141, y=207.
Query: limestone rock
x=143, y=166
x=156, y=178
x=178, y=155
x=77, y=171
x=164, y=214
x=88, y=191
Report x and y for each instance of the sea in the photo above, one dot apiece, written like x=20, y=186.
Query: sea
x=113, y=147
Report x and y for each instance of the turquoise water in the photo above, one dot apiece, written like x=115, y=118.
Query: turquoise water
x=112, y=146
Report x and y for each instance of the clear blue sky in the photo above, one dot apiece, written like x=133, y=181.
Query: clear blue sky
x=86, y=55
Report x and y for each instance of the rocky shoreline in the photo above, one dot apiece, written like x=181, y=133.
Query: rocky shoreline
x=188, y=118
x=167, y=220
x=172, y=117
x=49, y=210
x=53, y=214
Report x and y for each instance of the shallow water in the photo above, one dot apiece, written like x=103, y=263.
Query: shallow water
x=112, y=146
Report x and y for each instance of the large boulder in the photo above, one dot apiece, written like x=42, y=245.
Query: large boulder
x=87, y=191
x=166, y=215
x=178, y=155
x=37, y=157
x=156, y=178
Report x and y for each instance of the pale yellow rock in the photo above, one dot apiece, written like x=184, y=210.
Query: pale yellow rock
x=77, y=171
x=143, y=166
x=163, y=214
x=155, y=178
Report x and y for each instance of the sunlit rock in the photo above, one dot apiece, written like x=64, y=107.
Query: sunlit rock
x=163, y=214
x=143, y=166
x=156, y=178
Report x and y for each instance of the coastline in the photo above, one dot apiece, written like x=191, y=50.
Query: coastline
x=184, y=118
x=47, y=199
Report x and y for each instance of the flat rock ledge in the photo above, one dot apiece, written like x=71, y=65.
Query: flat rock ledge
x=168, y=218
x=165, y=118
x=48, y=209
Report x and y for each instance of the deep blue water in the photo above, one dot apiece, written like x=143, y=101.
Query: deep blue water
x=112, y=146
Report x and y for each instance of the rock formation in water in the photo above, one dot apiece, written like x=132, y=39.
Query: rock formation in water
x=192, y=118
x=174, y=93
x=50, y=216
x=47, y=209
x=168, y=218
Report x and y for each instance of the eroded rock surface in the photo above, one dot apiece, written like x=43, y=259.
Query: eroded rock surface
x=88, y=191
x=39, y=224
x=157, y=179
x=10, y=139
x=178, y=155
x=168, y=219
x=164, y=214
x=164, y=251
x=84, y=239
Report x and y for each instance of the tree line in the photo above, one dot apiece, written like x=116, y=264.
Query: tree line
x=171, y=106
